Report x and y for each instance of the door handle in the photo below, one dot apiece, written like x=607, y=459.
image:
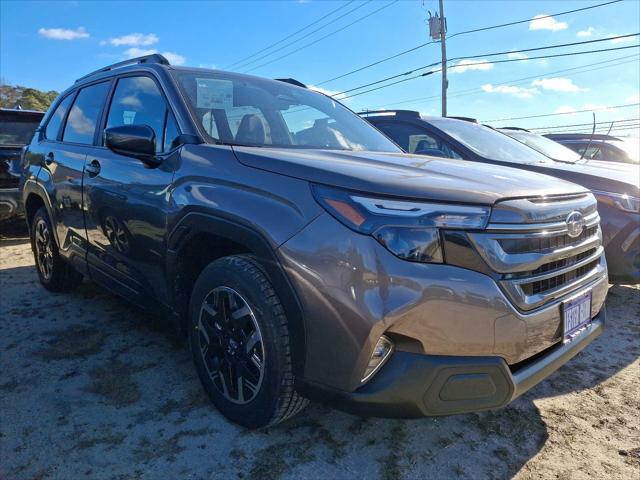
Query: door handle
x=92, y=168
x=48, y=159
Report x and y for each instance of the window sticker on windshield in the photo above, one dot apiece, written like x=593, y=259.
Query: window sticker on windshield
x=214, y=93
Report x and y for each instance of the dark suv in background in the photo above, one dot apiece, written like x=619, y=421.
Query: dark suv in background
x=17, y=127
x=615, y=185
x=302, y=252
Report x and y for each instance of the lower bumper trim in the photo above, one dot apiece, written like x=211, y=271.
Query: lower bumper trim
x=413, y=385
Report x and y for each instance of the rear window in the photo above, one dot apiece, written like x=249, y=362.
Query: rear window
x=17, y=132
x=85, y=114
x=55, y=122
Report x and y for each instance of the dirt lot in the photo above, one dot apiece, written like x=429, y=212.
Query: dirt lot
x=90, y=386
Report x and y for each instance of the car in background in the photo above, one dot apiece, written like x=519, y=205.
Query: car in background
x=599, y=147
x=615, y=185
x=16, y=130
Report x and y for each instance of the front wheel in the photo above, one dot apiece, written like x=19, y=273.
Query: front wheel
x=55, y=274
x=239, y=340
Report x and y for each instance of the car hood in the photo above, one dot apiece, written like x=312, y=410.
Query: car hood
x=404, y=175
x=597, y=175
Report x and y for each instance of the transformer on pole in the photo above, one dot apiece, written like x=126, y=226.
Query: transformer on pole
x=438, y=31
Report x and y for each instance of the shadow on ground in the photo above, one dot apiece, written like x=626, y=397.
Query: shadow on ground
x=108, y=391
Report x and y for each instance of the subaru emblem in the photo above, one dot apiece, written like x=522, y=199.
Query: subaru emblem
x=575, y=224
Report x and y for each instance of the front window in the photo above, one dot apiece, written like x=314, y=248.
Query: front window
x=488, y=143
x=544, y=145
x=246, y=111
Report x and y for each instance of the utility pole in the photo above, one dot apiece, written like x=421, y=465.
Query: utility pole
x=443, y=46
x=438, y=31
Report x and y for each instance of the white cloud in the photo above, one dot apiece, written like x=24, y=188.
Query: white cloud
x=586, y=33
x=564, y=109
x=63, y=33
x=557, y=84
x=518, y=92
x=133, y=40
x=633, y=99
x=464, y=65
x=519, y=55
x=620, y=40
x=173, y=58
x=545, y=22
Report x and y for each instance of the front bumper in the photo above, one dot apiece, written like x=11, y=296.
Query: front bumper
x=352, y=290
x=10, y=204
x=412, y=385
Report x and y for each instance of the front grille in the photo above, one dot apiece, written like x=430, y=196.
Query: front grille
x=542, y=286
x=565, y=262
x=536, y=264
x=545, y=243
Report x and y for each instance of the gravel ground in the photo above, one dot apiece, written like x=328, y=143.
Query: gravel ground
x=91, y=387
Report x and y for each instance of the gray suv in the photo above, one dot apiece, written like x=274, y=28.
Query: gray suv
x=302, y=253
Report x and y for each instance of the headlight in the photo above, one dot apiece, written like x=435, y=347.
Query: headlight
x=624, y=202
x=407, y=229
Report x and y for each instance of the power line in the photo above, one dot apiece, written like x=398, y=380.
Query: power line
x=561, y=45
x=483, y=63
x=291, y=35
x=346, y=14
x=404, y=52
x=585, y=124
x=562, y=113
x=323, y=37
x=520, y=81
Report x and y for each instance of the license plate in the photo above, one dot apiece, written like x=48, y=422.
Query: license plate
x=576, y=315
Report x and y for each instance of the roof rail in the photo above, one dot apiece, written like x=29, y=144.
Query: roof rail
x=514, y=128
x=292, y=81
x=153, y=58
x=464, y=119
x=407, y=113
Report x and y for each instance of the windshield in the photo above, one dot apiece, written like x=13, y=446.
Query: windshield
x=488, y=143
x=239, y=110
x=16, y=133
x=544, y=145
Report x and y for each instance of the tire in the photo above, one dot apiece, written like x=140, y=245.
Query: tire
x=232, y=304
x=55, y=274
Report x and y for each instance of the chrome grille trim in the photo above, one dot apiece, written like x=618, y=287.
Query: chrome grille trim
x=489, y=247
x=514, y=290
x=541, y=228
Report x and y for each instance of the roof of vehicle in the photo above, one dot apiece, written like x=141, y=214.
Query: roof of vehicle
x=156, y=61
x=19, y=112
x=412, y=114
x=580, y=136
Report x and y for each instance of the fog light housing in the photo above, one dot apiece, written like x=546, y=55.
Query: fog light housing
x=381, y=353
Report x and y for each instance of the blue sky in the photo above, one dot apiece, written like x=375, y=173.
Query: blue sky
x=47, y=45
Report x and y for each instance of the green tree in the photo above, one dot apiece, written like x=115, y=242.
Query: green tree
x=26, y=98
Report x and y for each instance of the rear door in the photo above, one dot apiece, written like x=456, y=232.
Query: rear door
x=126, y=200
x=68, y=136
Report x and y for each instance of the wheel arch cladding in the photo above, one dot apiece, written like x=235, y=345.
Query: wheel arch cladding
x=199, y=238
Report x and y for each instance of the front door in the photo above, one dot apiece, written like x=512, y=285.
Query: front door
x=127, y=201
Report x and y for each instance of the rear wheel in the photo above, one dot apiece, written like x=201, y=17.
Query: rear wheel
x=55, y=274
x=240, y=343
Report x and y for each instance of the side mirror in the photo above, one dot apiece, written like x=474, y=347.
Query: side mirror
x=131, y=140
